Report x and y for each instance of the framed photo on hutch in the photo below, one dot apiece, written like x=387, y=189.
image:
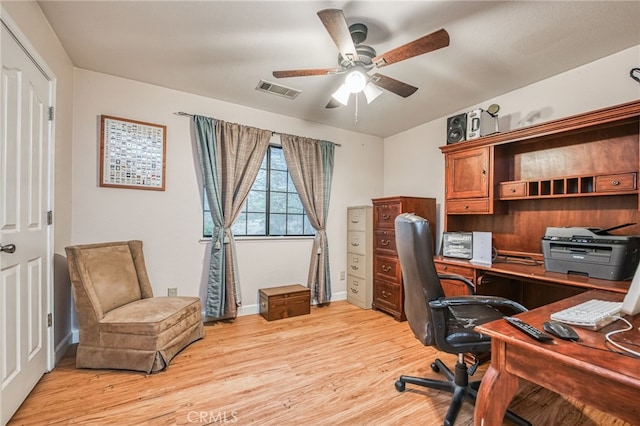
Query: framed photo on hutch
x=132, y=154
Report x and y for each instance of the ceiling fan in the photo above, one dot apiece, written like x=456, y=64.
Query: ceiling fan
x=356, y=60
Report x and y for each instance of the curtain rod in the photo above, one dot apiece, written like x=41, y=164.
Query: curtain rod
x=186, y=114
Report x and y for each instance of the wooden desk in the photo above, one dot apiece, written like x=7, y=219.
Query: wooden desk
x=535, y=273
x=603, y=379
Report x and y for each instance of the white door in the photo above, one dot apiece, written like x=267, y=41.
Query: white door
x=25, y=258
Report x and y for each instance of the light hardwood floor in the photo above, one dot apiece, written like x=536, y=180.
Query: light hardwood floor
x=336, y=366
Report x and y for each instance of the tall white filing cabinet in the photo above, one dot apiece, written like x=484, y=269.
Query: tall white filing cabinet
x=360, y=256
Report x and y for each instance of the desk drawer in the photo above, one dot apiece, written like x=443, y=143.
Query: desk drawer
x=480, y=205
x=387, y=296
x=384, y=215
x=357, y=220
x=513, y=190
x=356, y=241
x=357, y=265
x=356, y=289
x=384, y=242
x=447, y=268
x=616, y=183
x=455, y=287
x=387, y=268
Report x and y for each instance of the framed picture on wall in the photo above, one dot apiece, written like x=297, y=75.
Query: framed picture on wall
x=132, y=154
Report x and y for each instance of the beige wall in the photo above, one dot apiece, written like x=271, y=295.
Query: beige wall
x=170, y=222
x=414, y=165
x=31, y=22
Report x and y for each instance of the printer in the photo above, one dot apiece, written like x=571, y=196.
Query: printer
x=591, y=252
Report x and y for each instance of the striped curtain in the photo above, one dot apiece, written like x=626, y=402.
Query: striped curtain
x=230, y=156
x=310, y=163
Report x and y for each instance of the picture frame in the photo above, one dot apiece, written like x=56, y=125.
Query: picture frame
x=457, y=244
x=132, y=154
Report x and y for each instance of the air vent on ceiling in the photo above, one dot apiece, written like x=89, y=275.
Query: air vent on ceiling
x=277, y=89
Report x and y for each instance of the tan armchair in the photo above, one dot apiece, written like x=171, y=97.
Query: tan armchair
x=122, y=326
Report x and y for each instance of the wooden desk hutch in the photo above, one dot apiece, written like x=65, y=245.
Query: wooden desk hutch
x=576, y=171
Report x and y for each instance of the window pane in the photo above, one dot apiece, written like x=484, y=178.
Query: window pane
x=240, y=227
x=290, y=186
x=256, y=224
x=277, y=159
x=208, y=225
x=278, y=202
x=308, y=229
x=257, y=202
x=295, y=224
x=273, y=206
x=277, y=224
x=261, y=181
x=278, y=181
x=294, y=204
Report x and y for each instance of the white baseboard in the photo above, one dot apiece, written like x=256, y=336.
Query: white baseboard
x=64, y=345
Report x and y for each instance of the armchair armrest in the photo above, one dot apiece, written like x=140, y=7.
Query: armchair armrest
x=455, y=277
x=496, y=301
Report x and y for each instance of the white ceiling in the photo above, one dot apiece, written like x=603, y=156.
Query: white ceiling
x=222, y=49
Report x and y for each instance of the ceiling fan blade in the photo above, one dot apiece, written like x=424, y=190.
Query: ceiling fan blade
x=333, y=104
x=394, y=86
x=428, y=43
x=305, y=73
x=336, y=25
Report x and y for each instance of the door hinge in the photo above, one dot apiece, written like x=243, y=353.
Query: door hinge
x=50, y=217
x=49, y=320
x=50, y=113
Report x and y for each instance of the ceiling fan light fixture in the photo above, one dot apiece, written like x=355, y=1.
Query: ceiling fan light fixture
x=371, y=91
x=355, y=81
x=342, y=95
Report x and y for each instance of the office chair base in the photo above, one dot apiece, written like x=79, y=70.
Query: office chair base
x=457, y=384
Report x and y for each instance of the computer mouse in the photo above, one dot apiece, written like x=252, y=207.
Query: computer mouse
x=560, y=330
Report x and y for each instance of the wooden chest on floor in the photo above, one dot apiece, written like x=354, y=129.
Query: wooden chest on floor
x=284, y=302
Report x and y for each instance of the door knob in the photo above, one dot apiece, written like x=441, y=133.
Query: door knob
x=9, y=248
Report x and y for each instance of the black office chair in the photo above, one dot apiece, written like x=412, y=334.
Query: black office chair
x=446, y=323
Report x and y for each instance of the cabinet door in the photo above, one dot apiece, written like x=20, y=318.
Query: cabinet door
x=454, y=287
x=467, y=174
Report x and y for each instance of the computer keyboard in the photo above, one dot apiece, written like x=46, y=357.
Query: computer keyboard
x=593, y=314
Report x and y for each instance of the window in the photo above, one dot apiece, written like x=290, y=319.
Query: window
x=273, y=207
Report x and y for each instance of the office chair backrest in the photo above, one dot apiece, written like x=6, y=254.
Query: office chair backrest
x=414, y=244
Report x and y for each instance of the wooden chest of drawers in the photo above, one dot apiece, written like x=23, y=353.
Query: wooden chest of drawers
x=359, y=256
x=388, y=294
x=284, y=302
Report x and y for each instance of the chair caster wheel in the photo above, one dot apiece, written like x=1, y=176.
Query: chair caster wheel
x=399, y=386
x=435, y=367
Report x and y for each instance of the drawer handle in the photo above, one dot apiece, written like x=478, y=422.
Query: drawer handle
x=615, y=182
x=466, y=206
x=355, y=282
x=354, y=290
x=385, y=243
x=386, y=268
x=355, y=221
x=386, y=216
x=263, y=304
x=385, y=294
x=513, y=190
x=355, y=244
x=355, y=267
